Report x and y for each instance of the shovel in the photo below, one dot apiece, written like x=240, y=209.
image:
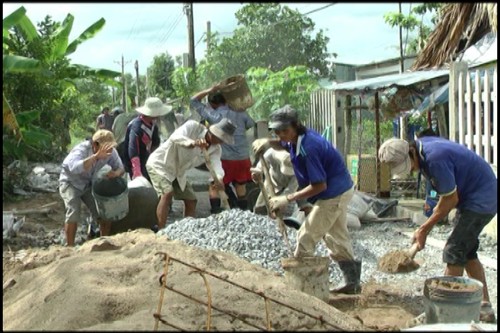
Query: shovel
x=399, y=261
x=222, y=195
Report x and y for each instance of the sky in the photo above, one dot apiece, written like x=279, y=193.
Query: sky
x=139, y=31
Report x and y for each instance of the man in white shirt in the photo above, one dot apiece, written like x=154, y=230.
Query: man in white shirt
x=168, y=164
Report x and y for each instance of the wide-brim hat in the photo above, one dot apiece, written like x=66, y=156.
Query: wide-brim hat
x=224, y=130
x=104, y=136
x=154, y=107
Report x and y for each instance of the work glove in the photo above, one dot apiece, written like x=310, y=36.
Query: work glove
x=136, y=167
x=259, y=146
x=256, y=175
x=278, y=202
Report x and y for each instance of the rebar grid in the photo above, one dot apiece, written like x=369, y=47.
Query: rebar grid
x=210, y=306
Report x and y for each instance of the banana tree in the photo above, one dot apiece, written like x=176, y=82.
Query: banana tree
x=19, y=61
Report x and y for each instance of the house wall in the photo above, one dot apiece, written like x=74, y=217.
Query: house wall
x=382, y=68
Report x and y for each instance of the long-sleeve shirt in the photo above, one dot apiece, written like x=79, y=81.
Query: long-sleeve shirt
x=240, y=150
x=72, y=167
x=174, y=157
x=140, y=140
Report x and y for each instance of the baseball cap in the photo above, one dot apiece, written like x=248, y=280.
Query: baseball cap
x=282, y=118
x=394, y=152
x=104, y=136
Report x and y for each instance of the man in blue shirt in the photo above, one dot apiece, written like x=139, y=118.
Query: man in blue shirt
x=235, y=157
x=325, y=182
x=462, y=179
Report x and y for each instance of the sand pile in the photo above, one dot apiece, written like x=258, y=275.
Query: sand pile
x=398, y=261
x=112, y=284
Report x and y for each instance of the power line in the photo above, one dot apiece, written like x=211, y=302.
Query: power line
x=199, y=40
x=282, y=21
x=167, y=30
x=172, y=29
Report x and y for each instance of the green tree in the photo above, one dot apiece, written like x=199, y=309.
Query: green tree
x=414, y=21
x=160, y=76
x=272, y=36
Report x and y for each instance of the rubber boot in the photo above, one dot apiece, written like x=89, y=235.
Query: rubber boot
x=352, y=274
x=242, y=204
x=215, y=207
x=231, y=196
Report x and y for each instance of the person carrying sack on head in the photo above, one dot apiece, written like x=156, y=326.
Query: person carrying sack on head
x=235, y=157
x=167, y=165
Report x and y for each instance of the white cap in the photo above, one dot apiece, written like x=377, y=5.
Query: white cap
x=395, y=153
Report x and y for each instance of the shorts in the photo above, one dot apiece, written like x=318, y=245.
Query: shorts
x=463, y=243
x=237, y=171
x=73, y=199
x=162, y=186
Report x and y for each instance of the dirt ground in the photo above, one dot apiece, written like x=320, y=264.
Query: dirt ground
x=60, y=280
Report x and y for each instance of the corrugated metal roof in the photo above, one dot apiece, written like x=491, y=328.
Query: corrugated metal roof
x=393, y=80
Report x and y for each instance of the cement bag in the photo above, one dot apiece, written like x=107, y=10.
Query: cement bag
x=357, y=206
x=353, y=222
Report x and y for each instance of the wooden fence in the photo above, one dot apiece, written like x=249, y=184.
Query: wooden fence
x=474, y=111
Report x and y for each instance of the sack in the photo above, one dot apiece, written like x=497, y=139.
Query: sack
x=353, y=221
x=357, y=206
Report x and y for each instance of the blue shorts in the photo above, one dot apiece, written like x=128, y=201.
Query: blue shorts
x=463, y=243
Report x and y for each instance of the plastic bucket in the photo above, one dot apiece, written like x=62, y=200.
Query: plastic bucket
x=236, y=92
x=452, y=299
x=308, y=274
x=111, y=198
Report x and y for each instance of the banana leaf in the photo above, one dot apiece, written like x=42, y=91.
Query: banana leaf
x=61, y=36
x=19, y=64
x=18, y=18
x=87, y=34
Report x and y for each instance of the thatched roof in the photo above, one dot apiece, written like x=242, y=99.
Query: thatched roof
x=460, y=26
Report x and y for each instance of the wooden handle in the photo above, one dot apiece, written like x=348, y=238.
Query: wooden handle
x=413, y=250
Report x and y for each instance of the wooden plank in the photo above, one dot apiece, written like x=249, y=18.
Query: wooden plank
x=470, y=131
x=495, y=117
x=486, y=261
x=487, y=118
x=386, y=219
x=461, y=109
x=477, y=116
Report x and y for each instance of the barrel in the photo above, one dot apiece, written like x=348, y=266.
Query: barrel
x=111, y=198
x=236, y=92
x=308, y=274
x=452, y=299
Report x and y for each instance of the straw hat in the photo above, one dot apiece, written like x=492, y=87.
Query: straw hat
x=153, y=107
x=224, y=130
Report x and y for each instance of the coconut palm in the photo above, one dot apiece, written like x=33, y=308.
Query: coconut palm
x=460, y=26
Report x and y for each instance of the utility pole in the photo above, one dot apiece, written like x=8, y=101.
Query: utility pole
x=208, y=37
x=124, y=87
x=401, y=56
x=189, y=13
x=136, y=65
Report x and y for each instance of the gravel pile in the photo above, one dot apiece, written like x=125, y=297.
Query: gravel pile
x=257, y=239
